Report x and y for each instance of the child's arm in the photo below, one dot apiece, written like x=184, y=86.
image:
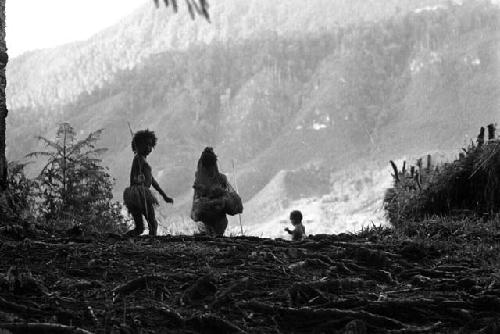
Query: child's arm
x=134, y=171
x=162, y=193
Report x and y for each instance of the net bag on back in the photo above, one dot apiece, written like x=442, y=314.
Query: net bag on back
x=232, y=201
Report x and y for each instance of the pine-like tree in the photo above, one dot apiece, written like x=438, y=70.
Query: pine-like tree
x=73, y=185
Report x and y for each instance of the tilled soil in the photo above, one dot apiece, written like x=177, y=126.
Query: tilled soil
x=173, y=284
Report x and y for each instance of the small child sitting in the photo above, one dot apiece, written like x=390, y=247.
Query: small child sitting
x=300, y=231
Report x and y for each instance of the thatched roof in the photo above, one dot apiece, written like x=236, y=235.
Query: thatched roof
x=195, y=7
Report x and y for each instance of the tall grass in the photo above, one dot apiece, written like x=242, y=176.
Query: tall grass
x=470, y=184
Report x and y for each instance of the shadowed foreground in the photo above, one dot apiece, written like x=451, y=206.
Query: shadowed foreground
x=373, y=282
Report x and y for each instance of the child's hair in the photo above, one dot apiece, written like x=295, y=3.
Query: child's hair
x=208, y=157
x=296, y=215
x=142, y=137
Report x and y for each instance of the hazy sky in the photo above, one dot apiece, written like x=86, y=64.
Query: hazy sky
x=34, y=24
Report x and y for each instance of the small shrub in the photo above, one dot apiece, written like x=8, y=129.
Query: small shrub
x=73, y=187
x=16, y=204
x=21, y=190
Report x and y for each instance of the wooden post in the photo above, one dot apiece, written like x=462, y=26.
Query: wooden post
x=412, y=171
x=403, y=171
x=419, y=163
x=395, y=168
x=429, y=162
x=417, y=180
x=480, y=137
x=491, y=131
x=236, y=186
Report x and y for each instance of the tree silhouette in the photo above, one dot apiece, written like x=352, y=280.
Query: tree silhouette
x=3, y=105
x=72, y=184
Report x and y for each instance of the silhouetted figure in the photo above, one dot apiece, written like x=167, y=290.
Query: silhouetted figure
x=138, y=198
x=300, y=231
x=211, y=199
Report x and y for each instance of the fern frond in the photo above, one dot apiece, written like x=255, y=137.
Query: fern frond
x=50, y=143
x=38, y=154
x=16, y=166
x=87, y=142
x=66, y=132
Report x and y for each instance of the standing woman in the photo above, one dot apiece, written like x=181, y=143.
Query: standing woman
x=138, y=198
x=213, y=196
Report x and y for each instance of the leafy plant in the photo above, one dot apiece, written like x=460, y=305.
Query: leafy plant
x=73, y=185
x=21, y=190
x=17, y=202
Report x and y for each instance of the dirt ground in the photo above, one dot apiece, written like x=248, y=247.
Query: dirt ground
x=173, y=284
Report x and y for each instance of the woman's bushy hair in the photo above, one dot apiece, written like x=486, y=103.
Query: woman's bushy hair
x=208, y=157
x=142, y=137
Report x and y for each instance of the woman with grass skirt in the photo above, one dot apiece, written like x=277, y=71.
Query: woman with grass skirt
x=213, y=196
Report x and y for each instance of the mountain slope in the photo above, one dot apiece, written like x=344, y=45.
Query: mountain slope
x=57, y=76
x=287, y=108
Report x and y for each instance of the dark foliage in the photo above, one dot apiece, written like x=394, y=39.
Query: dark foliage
x=195, y=7
x=470, y=183
x=17, y=202
x=73, y=187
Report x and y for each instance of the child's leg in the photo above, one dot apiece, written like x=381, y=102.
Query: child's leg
x=207, y=229
x=139, y=225
x=152, y=223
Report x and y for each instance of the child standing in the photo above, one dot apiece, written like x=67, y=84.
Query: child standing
x=300, y=231
x=138, y=198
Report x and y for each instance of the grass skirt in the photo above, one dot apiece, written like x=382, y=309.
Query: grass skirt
x=138, y=197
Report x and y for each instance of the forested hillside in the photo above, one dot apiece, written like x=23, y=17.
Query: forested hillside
x=56, y=76
x=336, y=93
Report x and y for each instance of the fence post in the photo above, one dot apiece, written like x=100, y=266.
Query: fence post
x=480, y=137
x=491, y=131
x=418, y=180
x=395, y=168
